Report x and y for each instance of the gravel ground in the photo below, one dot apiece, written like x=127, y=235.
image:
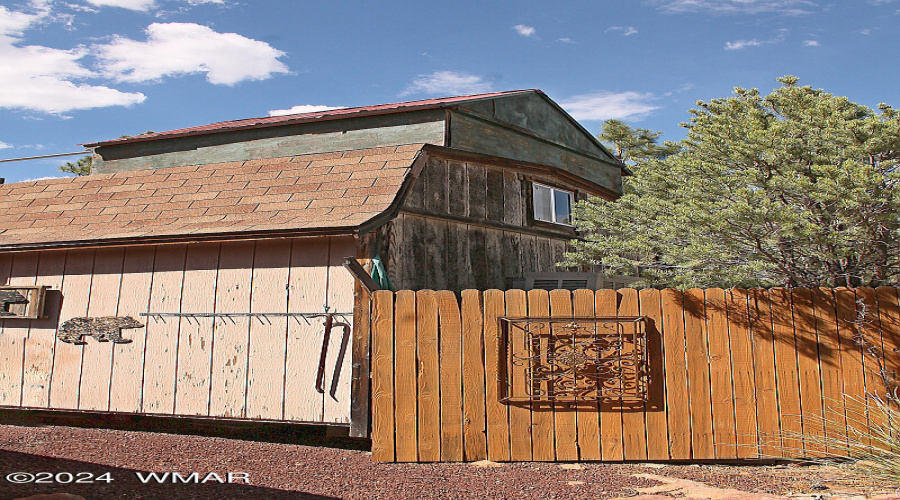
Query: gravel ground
x=294, y=471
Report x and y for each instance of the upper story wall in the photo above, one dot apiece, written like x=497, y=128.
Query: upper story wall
x=524, y=126
x=479, y=135
x=468, y=223
x=490, y=192
x=530, y=127
x=416, y=127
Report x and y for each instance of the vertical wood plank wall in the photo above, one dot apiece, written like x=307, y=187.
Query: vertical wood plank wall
x=731, y=371
x=464, y=226
x=257, y=368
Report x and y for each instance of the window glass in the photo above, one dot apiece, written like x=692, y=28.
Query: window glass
x=552, y=205
x=543, y=207
x=562, y=204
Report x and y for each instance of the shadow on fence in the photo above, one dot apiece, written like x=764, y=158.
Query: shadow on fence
x=726, y=370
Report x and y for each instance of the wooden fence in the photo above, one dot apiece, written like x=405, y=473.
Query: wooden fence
x=734, y=374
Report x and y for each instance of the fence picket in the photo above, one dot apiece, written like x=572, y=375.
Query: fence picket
x=542, y=432
x=830, y=364
x=809, y=410
x=383, y=377
x=450, y=345
x=720, y=370
x=889, y=314
x=564, y=415
x=406, y=386
x=743, y=381
x=588, y=414
x=429, y=420
x=655, y=408
x=519, y=415
x=677, y=402
x=853, y=393
x=633, y=427
x=611, y=448
x=769, y=378
x=872, y=347
x=698, y=373
x=473, y=359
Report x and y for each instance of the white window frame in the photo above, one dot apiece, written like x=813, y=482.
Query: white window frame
x=553, y=194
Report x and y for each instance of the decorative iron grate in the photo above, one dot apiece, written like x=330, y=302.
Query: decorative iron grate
x=573, y=359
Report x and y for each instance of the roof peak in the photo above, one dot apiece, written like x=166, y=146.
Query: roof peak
x=268, y=121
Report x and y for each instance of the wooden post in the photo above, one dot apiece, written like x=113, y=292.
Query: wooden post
x=360, y=398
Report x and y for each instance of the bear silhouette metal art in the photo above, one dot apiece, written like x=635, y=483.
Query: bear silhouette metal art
x=103, y=329
x=8, y=297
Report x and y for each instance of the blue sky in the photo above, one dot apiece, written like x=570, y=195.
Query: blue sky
x=77, y=71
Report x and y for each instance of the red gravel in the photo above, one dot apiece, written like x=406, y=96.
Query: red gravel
x=292, y=471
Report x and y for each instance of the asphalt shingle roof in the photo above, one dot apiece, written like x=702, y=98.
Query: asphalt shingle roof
x=341, y=189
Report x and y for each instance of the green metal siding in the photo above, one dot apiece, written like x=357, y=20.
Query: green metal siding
x=316, y=137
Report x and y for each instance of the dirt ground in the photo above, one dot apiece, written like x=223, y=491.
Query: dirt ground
x=336, y=470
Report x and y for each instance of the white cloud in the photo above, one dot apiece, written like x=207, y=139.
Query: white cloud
x=742, y=44
x=608, y=105
x=42, y=178
x=44, y=79
x=788, y=7
x=4, y=145
x=14, y=23
x=143, y=5
x=566, y=40
x=626, y=30
x=448, y=83
x=52, y=80
x=524, y=30
x=684, y=88
x=174, y=49
x=810, y=43
x=302, y=108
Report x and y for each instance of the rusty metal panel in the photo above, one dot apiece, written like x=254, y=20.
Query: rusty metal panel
x=573, y=359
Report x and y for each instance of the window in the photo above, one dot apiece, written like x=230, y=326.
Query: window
x=551, y=204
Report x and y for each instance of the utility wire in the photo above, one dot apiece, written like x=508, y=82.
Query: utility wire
x=46, y=156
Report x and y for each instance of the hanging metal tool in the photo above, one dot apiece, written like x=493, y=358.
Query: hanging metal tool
x=326, y=339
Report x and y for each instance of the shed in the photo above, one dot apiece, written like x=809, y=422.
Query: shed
x=226, y=243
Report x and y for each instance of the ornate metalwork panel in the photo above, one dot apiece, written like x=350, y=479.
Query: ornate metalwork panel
x=573, y=359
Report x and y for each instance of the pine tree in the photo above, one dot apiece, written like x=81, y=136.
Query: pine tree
x=81, y=167
x=795, y=188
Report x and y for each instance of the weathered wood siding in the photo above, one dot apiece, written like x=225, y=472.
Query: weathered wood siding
x=535, y=113
x=479, y=135
x=455, y=256
x=239, y=367
x=426, y=127
x=466, y=225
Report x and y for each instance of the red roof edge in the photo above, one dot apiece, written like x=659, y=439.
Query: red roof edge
x=335, y=114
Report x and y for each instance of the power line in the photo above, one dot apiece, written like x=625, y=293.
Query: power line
x=82, y=153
